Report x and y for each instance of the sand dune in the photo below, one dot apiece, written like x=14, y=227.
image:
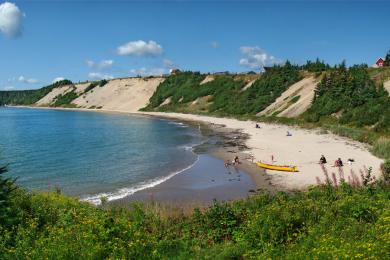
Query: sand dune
x=284, y=106
x=386, y=85
x=208, y=78
x=129, y=94
x=302, y=149
x=51, y=97
x=248, y=85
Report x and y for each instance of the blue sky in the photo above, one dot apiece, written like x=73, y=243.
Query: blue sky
x=80, y=40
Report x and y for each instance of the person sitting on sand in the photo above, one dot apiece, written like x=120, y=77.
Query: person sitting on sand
x=322, y=159
x=288, y=133
x=258, y=126
x=236, y=160
x=350, y=161
x=338, y=163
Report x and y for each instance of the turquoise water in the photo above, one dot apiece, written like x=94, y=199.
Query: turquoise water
x=90, y=154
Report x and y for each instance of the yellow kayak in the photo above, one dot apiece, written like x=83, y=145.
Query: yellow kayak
x=278, y=168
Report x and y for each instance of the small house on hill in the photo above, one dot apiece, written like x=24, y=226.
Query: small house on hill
x=380, y=62
x=174, y=71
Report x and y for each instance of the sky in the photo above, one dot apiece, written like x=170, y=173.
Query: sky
x=47, y=40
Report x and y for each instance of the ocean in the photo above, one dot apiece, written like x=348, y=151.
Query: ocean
x=91, y=154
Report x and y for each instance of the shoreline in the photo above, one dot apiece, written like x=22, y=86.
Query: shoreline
x=177, y=185
x=302, y=149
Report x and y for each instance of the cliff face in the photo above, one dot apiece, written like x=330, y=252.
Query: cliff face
x=128, y=94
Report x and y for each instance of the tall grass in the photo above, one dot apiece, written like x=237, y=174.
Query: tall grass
x=381, y=147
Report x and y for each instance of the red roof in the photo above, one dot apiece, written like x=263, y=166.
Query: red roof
x=380, y=62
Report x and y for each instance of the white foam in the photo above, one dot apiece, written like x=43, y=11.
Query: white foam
x=124, y=192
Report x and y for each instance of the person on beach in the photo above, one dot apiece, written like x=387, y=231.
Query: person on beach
x=322, y=159
x=236, y=160
x=338, y=163
x=288, y=133
x=258, y=126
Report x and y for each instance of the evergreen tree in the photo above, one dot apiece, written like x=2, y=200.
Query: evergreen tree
x=6, y=189
x=387, y=59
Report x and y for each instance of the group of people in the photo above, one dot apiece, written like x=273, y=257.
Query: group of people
x=337, y=163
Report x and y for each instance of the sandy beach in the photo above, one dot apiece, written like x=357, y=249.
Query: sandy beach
x=303, y=149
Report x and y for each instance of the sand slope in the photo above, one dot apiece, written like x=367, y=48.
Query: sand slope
x=129, y=94
x=51, y=96
x=285, y=107
x=302, y=149
x=248, y=85
x=386, y=85
x=207, y=79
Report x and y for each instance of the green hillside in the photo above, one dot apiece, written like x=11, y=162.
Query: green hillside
x=225, y=94
x=28, y=97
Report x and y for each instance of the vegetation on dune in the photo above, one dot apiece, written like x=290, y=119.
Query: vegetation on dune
x=28, y=97
x=351, y=96
x=183, y=85
x=333, y=220
x=226, y=91
x=65, y=100
x=94, y=84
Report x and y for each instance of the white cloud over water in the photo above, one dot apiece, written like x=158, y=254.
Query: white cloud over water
x=11, y=20
x=100, y=65
x=257, y=58
x=140, y=48
x=99, y=76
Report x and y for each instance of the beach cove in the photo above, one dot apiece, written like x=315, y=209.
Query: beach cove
x=95, y=163
x=230, y=137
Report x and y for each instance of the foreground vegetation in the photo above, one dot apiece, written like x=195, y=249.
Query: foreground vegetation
x=334, y=220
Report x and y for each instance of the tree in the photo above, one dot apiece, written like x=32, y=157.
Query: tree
x=387, y=59
x=6, y=188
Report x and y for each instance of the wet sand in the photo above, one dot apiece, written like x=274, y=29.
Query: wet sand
x=208, y=180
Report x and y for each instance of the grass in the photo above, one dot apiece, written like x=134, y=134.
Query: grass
x=381, y=147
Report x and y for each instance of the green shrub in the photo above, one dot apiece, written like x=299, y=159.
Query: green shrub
x=66, y=99
x=295, y=99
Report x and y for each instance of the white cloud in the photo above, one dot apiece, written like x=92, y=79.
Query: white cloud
x=8, y=88
x=214, y=45
x=140, y=48
x=27, y=80
x=99, y=76
x=57, y=79
x=256, y=58
x=11, y=19
x=149, y=72
x=167, y=63
x=101, y=65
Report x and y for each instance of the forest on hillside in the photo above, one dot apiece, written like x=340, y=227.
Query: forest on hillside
x=28, y=97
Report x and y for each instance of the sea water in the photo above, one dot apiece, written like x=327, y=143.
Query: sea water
x=91, y=154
